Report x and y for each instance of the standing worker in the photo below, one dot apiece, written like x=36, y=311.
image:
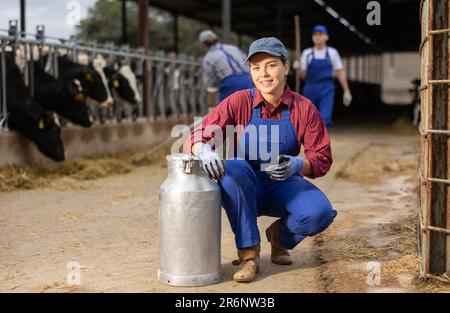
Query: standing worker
x=272, y=117
x=318, y=65
x=224, y=66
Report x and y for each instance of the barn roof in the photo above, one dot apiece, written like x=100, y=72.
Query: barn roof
x=399, y=29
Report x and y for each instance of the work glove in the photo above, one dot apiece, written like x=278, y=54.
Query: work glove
x=212, y=164
x=347, y=98
x=287, y=166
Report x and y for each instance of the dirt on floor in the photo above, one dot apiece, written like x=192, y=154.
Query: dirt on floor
x=103, y=214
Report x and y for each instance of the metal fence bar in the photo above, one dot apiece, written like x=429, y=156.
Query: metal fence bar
x=439, y=81
x=438, y=180
x=439, y=278
x=169, y=94
x=438, y=229
x=4, y=109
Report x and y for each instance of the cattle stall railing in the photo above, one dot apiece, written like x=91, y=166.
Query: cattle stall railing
x=175, y=83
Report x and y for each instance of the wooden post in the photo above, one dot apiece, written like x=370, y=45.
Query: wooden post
x=143, y=42
x=297, y=51
x=439, y=156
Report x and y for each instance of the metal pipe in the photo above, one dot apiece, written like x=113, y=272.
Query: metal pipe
x=175, y=33
x=101, y=51
x=438, y=229
x=22, y=17
x=3, y=86
x=124, y=22
x=226, y=20
x=444, y=280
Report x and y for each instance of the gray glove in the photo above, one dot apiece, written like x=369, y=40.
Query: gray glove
x=212, y=164
x=288, y=166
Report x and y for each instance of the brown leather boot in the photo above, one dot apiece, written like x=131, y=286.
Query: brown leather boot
x=249, y=261
x=279, y=255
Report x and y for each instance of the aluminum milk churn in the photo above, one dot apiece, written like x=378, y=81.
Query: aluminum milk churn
x=189, y=225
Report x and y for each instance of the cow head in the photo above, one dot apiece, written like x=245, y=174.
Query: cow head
x=77, y=109
x=93, y=84
x=45, y=132
x=123, y=85
x=48, y=137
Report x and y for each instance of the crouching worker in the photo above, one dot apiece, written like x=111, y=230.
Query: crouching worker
x=273, y=119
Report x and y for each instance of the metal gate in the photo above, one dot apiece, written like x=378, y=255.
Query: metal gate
x=434, y=200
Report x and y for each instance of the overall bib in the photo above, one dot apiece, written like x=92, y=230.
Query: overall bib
x=238, y=80
x=248, y=192
x=319, y=87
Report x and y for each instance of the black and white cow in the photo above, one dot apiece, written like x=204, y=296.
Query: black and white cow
x=28, y=117
x=123, y=86
x=91, y=77
x=65, y=98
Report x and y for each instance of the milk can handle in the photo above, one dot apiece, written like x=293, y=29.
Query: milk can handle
x=187, y=166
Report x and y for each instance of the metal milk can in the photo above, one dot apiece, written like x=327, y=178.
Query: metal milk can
x=189, y=225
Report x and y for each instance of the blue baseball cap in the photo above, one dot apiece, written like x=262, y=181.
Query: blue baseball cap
x=320, y=28
x=269, y=45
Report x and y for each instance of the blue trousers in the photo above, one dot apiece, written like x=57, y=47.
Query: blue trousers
x=246, y=194
x=322, y=96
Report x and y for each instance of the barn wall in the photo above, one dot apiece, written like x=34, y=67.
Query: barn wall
x=97, y=140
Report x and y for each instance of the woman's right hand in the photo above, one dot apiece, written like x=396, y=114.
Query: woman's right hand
x=212, y=164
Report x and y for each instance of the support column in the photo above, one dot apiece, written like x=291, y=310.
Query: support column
x=226, y=20
x=124, y=22
x=143, y=42
x=175, y=33
x=22, y=17
x=280, y=19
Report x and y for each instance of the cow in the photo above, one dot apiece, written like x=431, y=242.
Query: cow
x=91, y=77
x=123, y=86
x=28, y=117
x=68, y=99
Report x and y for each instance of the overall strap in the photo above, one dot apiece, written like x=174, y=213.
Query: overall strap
x=256, y=111
x=232, y=61
x=327, y=55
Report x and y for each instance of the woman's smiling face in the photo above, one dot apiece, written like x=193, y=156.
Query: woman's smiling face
x=268, y=73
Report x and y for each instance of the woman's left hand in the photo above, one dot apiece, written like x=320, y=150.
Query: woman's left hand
x=288, y=166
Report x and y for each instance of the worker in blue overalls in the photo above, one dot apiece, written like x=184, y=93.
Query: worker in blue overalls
x=224, y=67
x=318, y=66
x=266, y=176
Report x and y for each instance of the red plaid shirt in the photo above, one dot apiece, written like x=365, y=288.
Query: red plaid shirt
x=308, y=124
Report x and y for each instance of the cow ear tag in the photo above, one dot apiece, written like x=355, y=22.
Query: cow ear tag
x=41, y=124
x=79, y=97
x=115, y=83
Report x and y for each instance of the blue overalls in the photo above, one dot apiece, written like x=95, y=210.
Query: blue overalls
x=248, y=192
x=238, y=80
x=319, y=87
